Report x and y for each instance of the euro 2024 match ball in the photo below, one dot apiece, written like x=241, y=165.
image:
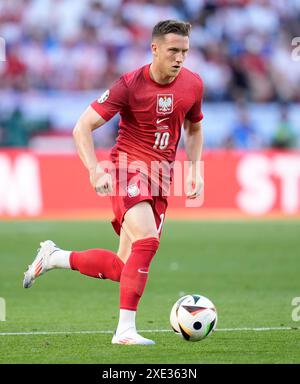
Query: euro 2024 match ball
x=193, y=317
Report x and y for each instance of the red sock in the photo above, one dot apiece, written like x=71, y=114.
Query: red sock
x=98, y=263
x=135, y=272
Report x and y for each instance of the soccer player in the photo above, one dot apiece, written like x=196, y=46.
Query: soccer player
x=154, y=102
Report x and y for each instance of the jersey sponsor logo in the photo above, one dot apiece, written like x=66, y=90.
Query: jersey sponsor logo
x=164, y=103
x=103, y=97
x=133, y=190
x=161, y=120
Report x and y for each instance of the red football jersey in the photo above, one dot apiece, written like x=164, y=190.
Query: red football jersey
x=152, y=114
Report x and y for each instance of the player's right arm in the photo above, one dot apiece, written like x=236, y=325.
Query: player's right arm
x=98, y=113
x=82, y=133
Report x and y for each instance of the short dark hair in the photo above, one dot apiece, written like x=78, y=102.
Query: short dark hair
x=171, y=26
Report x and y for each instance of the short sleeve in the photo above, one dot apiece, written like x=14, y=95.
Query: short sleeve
x=112, y=101
x=195, y=113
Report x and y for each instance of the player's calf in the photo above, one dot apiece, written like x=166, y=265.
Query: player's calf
x=135, y=272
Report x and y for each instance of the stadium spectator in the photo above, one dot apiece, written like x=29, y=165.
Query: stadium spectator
x=284, y=137
x=243, y=134
x=241, y=47
x=16, y=130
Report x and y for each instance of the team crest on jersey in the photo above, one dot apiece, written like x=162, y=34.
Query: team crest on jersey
x=133, y=190
x=164, y=103
x=103, y=97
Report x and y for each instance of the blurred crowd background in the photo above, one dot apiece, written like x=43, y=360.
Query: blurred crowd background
x=61, y=54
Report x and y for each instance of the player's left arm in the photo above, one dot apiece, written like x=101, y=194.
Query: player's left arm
x=193, y=148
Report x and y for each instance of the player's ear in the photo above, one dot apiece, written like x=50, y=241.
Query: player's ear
x=154, y=48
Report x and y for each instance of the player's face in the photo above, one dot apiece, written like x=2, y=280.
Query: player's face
x=170, y=52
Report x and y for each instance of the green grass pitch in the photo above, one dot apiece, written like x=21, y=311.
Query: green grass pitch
x=249, y=269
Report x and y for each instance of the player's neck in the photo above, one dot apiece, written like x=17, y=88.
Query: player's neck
x=159, y=77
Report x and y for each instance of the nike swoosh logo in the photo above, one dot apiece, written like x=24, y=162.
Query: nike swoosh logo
x=160, y=120
x=141, y=271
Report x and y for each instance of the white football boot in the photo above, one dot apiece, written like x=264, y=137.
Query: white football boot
x=40, y=264
x=131, y=337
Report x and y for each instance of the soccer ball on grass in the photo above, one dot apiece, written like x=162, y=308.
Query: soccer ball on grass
x=193, y=317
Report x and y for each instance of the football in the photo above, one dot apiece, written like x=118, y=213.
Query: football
x=193, y=317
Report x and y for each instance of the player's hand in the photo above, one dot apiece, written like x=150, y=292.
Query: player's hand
x=194, y=184
x=101, y=181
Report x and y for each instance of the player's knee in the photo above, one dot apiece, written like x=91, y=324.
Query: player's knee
x=147, y=235
x=124, y=254
x=145, y=232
